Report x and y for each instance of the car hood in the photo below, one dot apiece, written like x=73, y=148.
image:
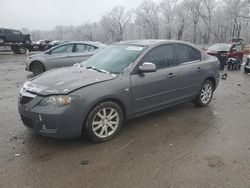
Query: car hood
x=65, y=80
x=37, y=55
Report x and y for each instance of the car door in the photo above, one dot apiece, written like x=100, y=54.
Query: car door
x=8, y=35
x=60, y=56
x=237, y=51
x=82, y=52
x=156, y=89
x=190, y=70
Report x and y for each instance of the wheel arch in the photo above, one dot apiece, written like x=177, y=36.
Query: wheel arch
x=111, y=99
x=212, y=79
x=37, y=61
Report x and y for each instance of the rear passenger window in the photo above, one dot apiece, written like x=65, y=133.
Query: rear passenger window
x=162, y=56
x=84, y=48
x=238, y=47
x=62, y=49
x=185, y=53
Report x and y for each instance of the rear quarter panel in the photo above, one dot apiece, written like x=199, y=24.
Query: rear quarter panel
x=211, y=66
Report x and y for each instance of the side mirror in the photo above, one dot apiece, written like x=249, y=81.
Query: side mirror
x=147, y=67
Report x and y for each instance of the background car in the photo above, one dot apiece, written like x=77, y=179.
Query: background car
x=247, y=65
x=232, y=50
x=224, y=51
x=15, y=36
x=54, y=43
x=63, y=55
x=40, y=45
x=123, y=81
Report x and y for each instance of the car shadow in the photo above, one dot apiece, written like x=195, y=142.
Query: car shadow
x=156, y=127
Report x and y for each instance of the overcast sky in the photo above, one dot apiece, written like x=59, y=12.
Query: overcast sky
x=45, y=14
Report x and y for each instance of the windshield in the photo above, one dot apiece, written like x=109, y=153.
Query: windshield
x=220, y=47
x=114, y=59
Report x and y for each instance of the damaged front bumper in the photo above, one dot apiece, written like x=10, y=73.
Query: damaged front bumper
x=63, y=122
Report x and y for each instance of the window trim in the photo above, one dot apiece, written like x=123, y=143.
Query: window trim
x=135, y=70
x=59, y=47
x=74, y=49
x=187, y=62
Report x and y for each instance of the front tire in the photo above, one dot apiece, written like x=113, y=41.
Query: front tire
x=103, y=122
x=37, y=68
x=205, y=95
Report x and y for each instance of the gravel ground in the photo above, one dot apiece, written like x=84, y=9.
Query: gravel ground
x=182, y=146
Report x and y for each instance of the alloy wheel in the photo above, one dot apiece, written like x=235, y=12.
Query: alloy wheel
x=206, y=93
x=105, y=122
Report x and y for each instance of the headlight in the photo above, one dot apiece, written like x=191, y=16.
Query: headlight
x=57, y=100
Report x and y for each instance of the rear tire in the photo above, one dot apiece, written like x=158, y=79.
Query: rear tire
x=103, y=122
x=37, y=68
x=19, y=49
x=205, y=95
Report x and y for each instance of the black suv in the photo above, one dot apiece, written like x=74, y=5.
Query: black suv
x=13, y=36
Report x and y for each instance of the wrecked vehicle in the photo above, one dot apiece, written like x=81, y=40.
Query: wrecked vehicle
x=63, y=55
x=15, y=36
x=224, y=51
x=123, y=81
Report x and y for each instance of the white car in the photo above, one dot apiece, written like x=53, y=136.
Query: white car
x=63, y=55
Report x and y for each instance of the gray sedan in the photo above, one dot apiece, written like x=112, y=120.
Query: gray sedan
x=123, y=81
x=63, y=55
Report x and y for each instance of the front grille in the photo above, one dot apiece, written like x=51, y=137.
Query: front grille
x=24, y=99
x=28, y=122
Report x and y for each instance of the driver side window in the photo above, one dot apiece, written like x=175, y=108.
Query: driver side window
x=162, y=56
x=63, y=49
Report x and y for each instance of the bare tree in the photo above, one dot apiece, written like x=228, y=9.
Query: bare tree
x=180, y=20
x=194, y=6
x=206, y=11
x=167, y=9
x=237, y=11
x=115, y=22
x=147, y=17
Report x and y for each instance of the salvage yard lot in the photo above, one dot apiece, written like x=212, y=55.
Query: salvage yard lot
x=182, y=146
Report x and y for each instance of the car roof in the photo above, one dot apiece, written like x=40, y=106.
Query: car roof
x=86, y=42
x=9, y=29
x=152, y=42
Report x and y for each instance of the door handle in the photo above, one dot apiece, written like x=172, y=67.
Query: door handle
x=171, y=75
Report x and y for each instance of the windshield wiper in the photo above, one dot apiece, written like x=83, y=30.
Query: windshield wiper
x=99, y=70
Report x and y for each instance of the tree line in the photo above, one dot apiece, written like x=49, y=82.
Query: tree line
x=197, y=21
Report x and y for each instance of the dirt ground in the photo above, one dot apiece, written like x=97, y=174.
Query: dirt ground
x=182, y=146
